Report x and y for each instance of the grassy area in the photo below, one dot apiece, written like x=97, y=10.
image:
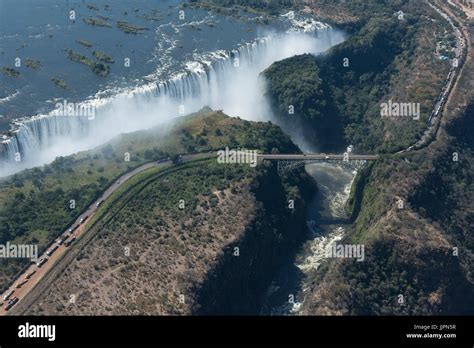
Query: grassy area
x=238, y=8
x=84, y=43
x=35, y=204
x=129, y=28
x=103, y=57
x=340, y=104
x=99, y=22
x=411, y=211
x=9, y=72
x=224, y=206
x=60, y=83
x=135, y=183
x=32, y=63
x=98, y=68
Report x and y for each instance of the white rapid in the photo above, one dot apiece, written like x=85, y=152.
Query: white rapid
x=222, y=80
x=334, y=184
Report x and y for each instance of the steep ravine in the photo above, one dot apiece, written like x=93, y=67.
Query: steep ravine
x=238, y=284
x=327, y=221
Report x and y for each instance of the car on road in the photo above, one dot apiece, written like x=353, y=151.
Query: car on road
x=20, y=284
x=61, y=240
x=83, y=219
x=41, y=262
x=52, y=250
x=29, y=275
x=99, y=203
x=11, y=303
x=7, y=295
x=327, y=157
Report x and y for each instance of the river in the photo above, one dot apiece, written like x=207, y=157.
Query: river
x=327, y=222
x=177, y=67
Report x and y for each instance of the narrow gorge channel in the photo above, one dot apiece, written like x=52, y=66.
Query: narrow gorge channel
x=327, y=221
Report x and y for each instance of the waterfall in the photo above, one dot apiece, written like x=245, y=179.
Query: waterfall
x=227, y=80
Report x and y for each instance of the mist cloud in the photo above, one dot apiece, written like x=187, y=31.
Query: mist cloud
x=237, y=90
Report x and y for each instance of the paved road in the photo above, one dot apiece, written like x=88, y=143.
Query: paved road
x=461, y=52
x=40, y=272
x=317, y=156
x=91, y=210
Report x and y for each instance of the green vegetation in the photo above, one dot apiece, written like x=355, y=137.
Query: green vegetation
x=447, y=193
x=9, y=71
x=386, y=274
x=35, y=204
x=415, y=257
x=84, y=43
x=295, y=83
x=334, y=101
x=149, y=17
x=236, y=7
x=60, y=83
x=92, y=7
x=423, y=249
x=103, y=57
x=98, y=68
x=130, y=28
x=408, y=250
x=354, y=202
x=99, y=22
x=225, y=206
x=32, y=64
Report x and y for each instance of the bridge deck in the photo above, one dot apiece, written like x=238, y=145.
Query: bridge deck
x=316, y=156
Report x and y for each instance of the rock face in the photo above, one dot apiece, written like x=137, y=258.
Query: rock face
x=418, y=255
x=302, y=100
x=215, y=254
x=248, y=265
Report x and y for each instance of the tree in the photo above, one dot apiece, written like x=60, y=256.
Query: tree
x=148, y=154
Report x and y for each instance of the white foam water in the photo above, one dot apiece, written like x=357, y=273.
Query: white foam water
x=227, y=80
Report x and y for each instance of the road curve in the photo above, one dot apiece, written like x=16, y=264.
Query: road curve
x=461, y=54
x=40, y=272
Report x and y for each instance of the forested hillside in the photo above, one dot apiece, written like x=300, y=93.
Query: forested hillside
x=337, y=96
x=188, y=251
x=413, y=213
x=82, y=177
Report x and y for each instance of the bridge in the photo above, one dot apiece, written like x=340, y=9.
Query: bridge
x=288, y=162
x=318, y=156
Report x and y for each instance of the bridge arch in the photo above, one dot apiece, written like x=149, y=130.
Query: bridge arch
x=286, y=166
